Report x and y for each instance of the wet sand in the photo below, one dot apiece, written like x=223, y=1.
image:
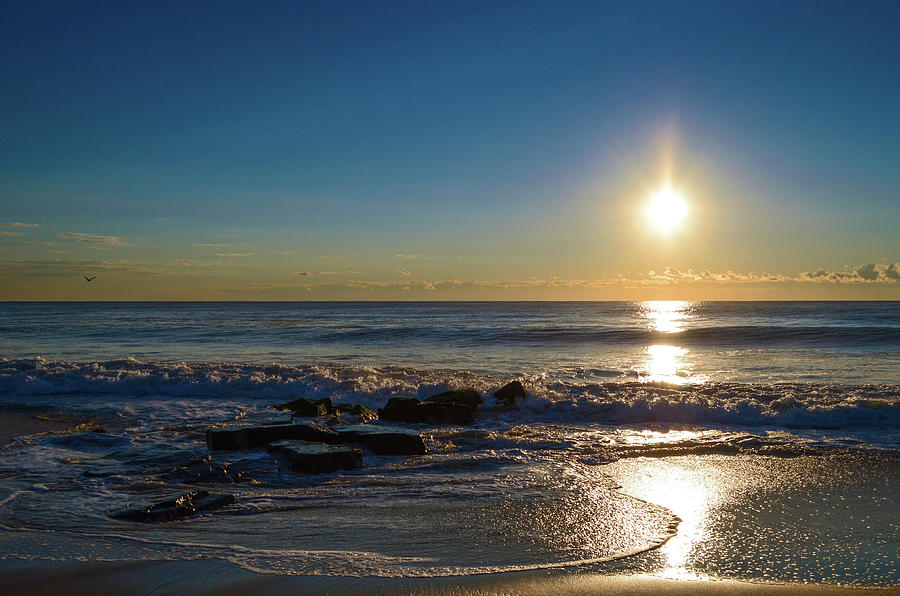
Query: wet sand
x=723, y=482
x=219, y=577
x=18, y=424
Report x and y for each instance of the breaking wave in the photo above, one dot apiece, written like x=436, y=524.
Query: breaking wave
x=791, y=405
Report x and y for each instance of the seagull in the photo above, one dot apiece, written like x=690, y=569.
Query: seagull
x=86, y=278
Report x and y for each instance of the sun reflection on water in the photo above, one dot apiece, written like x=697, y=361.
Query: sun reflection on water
x=666, y=316
x=667, y=363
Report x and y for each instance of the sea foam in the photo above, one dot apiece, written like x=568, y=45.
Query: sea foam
x=35, y=381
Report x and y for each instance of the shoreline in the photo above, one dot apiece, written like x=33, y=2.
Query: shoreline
x=222, y=577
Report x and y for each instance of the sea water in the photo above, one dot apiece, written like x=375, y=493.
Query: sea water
x=613, y=387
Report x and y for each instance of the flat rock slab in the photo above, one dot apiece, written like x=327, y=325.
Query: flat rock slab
x=315, y=458
x=173, y=509
x=383, y=440
x=259, y=437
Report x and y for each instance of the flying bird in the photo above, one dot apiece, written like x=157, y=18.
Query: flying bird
x=86, y=278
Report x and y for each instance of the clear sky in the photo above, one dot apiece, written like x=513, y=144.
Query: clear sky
x=449, y=150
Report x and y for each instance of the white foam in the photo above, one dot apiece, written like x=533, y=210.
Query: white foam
x=196, y=387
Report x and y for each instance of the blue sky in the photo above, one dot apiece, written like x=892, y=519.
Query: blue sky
x=223, y=150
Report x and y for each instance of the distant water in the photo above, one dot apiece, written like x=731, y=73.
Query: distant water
x=831, y=342
x=607, y=382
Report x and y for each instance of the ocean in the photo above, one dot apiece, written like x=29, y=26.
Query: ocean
x=656, y=437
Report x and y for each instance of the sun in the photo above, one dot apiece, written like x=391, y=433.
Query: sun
x=666, y=209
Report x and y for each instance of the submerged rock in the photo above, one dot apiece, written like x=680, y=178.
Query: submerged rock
x=95, y=441
x=307, y=407
x=315, y=458
x=258, y=437
x=449, y=407
x=509, y=392
x=173, y=509
x=384, y=440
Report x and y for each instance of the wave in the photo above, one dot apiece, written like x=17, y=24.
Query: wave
x=727, y=335
x=294, y=330
x=791, y=405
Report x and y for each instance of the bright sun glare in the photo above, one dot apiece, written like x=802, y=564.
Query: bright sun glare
x=666, y=209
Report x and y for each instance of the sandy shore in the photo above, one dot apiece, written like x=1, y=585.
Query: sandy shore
x=219, y=577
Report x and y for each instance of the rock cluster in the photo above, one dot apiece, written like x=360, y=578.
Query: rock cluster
x=307, y=407
x=312, y=448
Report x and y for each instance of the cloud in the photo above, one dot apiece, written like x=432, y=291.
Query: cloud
x=881, y=274
x=234, y=254
x=65, y=268
x=212, y=244
x=18, y=224
x=10, y=234
x=675, y=275
x=310, y=273
x=403, y=272
x=402, y=256
x=92, y=239
x=867, y=273
x=670, y=277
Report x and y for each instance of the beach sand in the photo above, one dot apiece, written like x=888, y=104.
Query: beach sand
x=219, y=577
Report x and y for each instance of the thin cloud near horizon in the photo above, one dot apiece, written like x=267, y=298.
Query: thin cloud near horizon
x=83, y=238
x=19, y=224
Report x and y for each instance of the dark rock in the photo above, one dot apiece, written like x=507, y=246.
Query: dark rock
x=357, y=412
x=468, y=397
x=403, y=409
x=409, y=409
x=308, y=407
x=313, y=458
x=384, y=440
x=509, y=392
x=448, y=413
x=258, y=437
x=177, y=508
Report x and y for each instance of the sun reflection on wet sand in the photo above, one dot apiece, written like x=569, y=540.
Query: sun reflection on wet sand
x=690, y=491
